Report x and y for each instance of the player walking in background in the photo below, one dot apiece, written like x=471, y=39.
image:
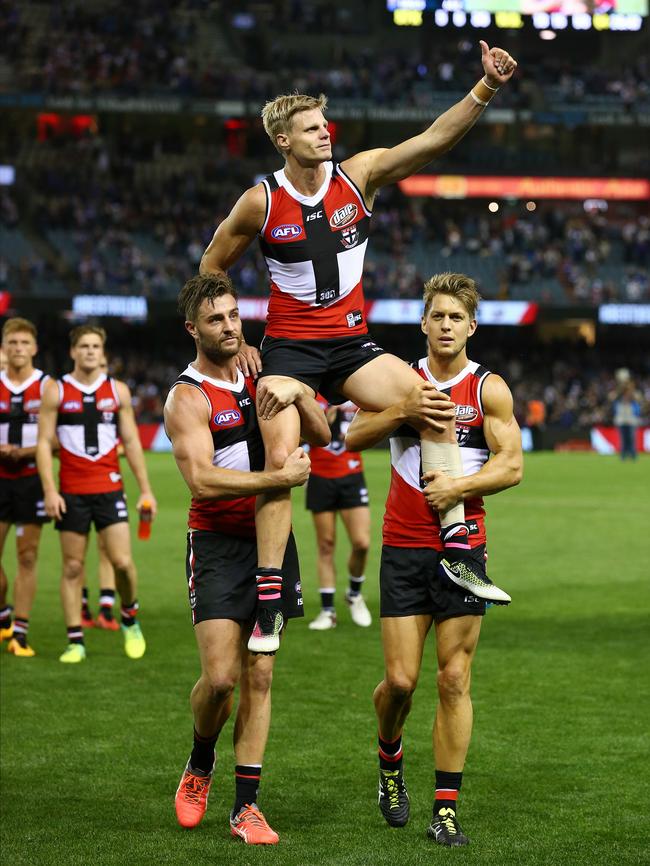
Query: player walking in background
x=211, y=420
x=414, y=593
x=21, y=494
x=337, y=486
x=313, y=220
x=82, y=413
x=627, y=414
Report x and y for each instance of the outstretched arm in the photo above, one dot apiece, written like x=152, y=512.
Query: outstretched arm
x=373, y=169
x=187, y=420
x=504, y=468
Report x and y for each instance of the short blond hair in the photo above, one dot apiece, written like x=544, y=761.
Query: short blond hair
x=458, y=286
x=17, y=325
x=278, y=113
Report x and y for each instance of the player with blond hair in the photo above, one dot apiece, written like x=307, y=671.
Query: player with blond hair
x=312, y=218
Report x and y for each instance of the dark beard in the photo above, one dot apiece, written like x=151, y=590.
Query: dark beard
x=217, y=355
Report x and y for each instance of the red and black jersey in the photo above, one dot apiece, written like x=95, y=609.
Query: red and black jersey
x=314, y=247
x=334, y=461
x=19, y=407
x=87, y=430
x=237, y=445
x=409, y=521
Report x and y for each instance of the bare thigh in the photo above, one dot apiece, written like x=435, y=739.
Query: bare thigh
x=380, y=383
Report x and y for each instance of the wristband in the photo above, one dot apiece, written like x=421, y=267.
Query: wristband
x=489, y=86
x=477, y=100
x=482, y=92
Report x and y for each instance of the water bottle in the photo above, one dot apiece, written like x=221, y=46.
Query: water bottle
x=144, y=524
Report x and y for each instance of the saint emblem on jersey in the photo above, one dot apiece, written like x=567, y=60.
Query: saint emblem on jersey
x=462, y=434
x=350, y=237
x=344, y=216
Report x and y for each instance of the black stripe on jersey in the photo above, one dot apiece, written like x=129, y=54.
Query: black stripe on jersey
x=287, y=253
x=321, y=238
x=339, y=169
x=475, y=438
x=89, y=418
x=17, y=417
x=272, y=182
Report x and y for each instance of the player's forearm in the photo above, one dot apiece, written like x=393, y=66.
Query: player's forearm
x=45, y=466
x=502, y=471
x=448, y=129
x=369, y=428
x=208, y=265
x=135, y=458
x=216, y=483
x=314, y=428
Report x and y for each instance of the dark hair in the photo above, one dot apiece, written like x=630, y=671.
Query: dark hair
x=81, y=330
x=204, y=287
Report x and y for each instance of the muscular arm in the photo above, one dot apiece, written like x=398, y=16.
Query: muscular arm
x=425, y=406
x=187, y=419
x=504, y=468
x=373, y=169
x=132, y=446
x=314, y=426
x=236, y=233
x=46, y=444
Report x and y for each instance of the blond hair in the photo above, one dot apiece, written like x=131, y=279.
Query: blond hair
x=81, y=330
x=458, y=286
x=278, y=113
x=18, y=325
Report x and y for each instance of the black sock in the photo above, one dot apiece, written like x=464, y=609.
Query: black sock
x=247, y=782
x=129, y=613
x=106, y=601
x=84, y=603
x=21, y=626
x=75, y=634
x=269, y=588
x=327, y=599
x=447, y=788
x=5, y=617
x=356, y=583
x=202, y=757
x=390, y=753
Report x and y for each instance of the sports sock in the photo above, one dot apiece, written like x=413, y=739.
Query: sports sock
x=247, y=782
x=75, y=634
x=106, y=601
x=202, y=757
x=447, y=788
x=390, y=753
x=84, y=603
x=355, y=585
x=21, y=627
x=5, y=617
x=455, y=536
x=269, y=587
x=129, y=613
x=327, y=599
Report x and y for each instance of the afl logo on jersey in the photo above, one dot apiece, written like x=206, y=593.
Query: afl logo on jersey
x=344, y=216
x=466, y=414
x=286, y=232
x=227, y=418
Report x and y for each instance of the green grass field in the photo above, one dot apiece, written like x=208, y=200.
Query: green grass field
x=558, y=770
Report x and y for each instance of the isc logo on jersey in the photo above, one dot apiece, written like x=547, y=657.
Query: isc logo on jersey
x=286, y=232
x=466, y=413
x=344, y=216
x=227, y=418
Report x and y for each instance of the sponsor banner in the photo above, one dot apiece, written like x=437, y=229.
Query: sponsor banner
x=624, y=314
x=123, y=306
x=606, y=440
x=489, y=312
x=5, y=301
x=465, y=186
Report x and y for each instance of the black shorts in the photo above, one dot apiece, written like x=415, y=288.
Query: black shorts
x=321, y=364
x=336, y=494
x=21, y=501
x=102, y=509
x=410, y=585
x=220, y=572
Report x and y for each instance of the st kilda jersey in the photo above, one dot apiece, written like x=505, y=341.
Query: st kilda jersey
x=237, y=445
x=19, y=407
x=314, y=247
x=87, y=429
x=409, y=520
x=334, y=461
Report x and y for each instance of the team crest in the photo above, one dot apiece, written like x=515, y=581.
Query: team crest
x=350, y=237
x=462, y=434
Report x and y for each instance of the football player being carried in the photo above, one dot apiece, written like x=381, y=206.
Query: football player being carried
x=415, y=592
x=312, y=218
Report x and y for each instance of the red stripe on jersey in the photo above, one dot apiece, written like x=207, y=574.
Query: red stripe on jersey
x=288, y=317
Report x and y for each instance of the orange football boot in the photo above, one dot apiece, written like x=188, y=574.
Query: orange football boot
x=251, y=826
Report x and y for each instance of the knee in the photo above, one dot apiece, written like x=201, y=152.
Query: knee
x=453, y=682
x=27, y=558
x=361, y=546
x=276, y=455
x=400, y=686
x=73, y=569
x=220, y=687
x=260, y=680
x=122, y=562
x=326, y=548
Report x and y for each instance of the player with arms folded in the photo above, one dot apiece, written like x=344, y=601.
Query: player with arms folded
x=211, y=420
x=312, y=218
x=415, y=593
